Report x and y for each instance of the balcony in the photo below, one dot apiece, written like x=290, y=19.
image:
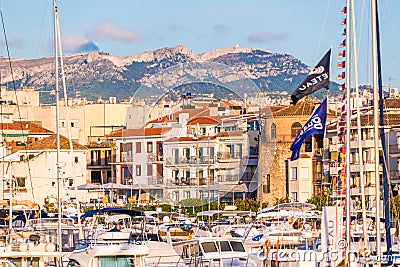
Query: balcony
x=156, y=180
x=369, y=166
x=395, y=176
x=228, y=156
x=227, y=178
x=368, y=143
x=176, y=161
x=394, y=150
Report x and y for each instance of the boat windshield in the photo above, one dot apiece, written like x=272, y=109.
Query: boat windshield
x=237, y=246
x=224, y=246
x=209, y=247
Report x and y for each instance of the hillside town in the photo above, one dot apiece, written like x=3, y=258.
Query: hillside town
x=197, y=147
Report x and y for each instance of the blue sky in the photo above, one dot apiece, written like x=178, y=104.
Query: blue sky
x=305, y=29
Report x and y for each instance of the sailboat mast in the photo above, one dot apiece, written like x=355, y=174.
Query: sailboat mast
x=359, y=130
x=59, y=244
x=376, y=128
x=348, y=125
x=384, y=148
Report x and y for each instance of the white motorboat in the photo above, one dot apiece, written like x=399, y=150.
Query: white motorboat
x=116, y=248
x=214, y=251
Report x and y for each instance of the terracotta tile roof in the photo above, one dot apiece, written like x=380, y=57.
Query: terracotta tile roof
x=304, y=107
x=26, y=126
x=180, y=139
x=390, y=119
x=50, y=143
x=228, y=104
x=174, y=117
x=156, y=131
x=205, y=120
x=276, y=108
x=189, y=139
x=392, y=103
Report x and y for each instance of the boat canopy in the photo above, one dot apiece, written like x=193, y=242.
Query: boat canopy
x=225, y=213
x=27, y=203
x=296, y=206
x=90, y=213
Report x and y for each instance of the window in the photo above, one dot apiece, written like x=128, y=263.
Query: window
x=294, y=196
x=186, y=194
x=138, y=147
x=74, y=123
x=138, y=170
x=95, y=157
x=304, y=173
x=149, y=147
x=76, y=159
x=238, y=151
x=126, y=153
x=95, y=177
x=107, y=157
x=296, y=128
x=149, y=170
x=211, y=175
x=273, y=130
x=211, y=152
x=70, y=182
x=268, y=184
x=175, y=154
x=21, y=181
x=294, y=173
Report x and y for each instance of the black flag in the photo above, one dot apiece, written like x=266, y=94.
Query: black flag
x=317, y=78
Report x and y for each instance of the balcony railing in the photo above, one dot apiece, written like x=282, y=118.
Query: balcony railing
x=227, y=155
x=227, y=178
x=190, y=160
x=156, y=180
x=153, y=157
x=394, y=149
x=394, y=175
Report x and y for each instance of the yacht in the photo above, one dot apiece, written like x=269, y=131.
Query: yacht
x=214, y=251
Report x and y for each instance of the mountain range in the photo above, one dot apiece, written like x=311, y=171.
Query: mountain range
x=95, y=74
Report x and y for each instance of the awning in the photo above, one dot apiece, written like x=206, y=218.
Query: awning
x=227, y=188
x=115, y=186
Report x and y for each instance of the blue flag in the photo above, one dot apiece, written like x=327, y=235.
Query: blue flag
x=314, y=125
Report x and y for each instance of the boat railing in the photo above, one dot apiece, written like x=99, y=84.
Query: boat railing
x=159, y=261
x=231, y=261
x=49, y=223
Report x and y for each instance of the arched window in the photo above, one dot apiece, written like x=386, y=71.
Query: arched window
x=273, y=130
x=296, y=128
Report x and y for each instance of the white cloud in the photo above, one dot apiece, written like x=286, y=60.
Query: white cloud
x=109, y=30
x=261, y=37
x=73, y=41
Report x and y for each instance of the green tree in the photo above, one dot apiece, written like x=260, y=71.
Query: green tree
x=249, y=204
x=322, y=199
x=282, y=200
